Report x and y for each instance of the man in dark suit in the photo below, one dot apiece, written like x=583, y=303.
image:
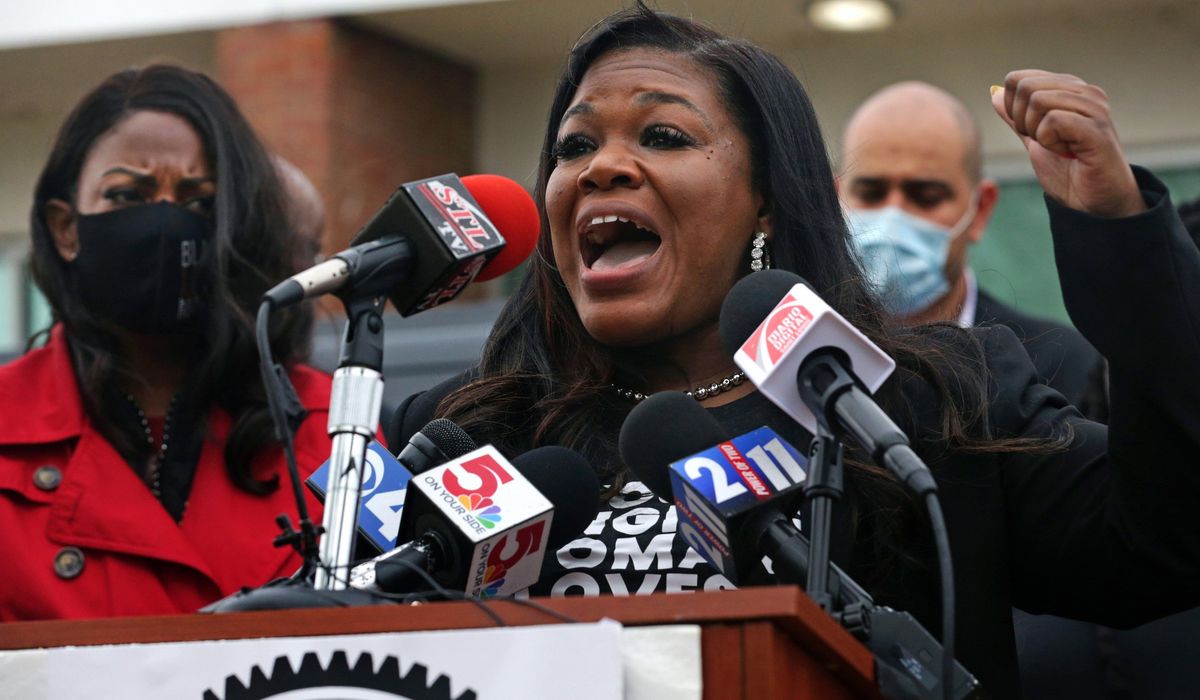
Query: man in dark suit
x=911, y=181
x=1189, y=212
x=916, y=199
x=1063, y=357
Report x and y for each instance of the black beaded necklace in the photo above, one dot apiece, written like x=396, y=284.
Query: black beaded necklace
x=700, y=393
x=154, y=464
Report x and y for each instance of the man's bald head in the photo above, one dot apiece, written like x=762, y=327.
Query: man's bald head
x=915, y=147
x=305, y=208
x=917, y=111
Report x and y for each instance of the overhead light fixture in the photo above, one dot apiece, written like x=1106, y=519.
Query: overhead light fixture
x=851, y=15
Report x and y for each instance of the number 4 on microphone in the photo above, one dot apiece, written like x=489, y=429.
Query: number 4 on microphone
x=384, y=486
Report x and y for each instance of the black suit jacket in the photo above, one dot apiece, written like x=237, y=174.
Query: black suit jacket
x=1103, y=529
x=1063, y=357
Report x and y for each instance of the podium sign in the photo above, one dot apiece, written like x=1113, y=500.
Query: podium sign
x=766, y=643
x=583, y=662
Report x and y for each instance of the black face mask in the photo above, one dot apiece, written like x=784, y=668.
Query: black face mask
x=140, y=267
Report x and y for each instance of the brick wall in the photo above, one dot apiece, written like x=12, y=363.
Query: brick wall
x=282, y=78
x=358, y=112
x=399, y=114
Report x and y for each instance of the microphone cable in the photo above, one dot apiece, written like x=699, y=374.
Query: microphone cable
x=286, y=415
x=941, y=540
x=752, y=302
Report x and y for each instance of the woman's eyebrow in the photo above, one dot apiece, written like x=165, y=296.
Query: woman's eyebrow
x=126, y=171
x=581, y=108
x=149, y=177
x=666, y=98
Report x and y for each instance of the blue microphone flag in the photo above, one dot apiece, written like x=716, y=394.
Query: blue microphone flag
x=385, y=483
x=716, y=488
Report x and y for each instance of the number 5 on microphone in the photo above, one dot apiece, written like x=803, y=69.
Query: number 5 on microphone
x=483, y=469
x=528, y=540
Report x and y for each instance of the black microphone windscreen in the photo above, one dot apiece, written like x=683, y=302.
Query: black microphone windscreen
x=452, y=440
x=664, y=428
x=438, y=442
x=566, y=479
x=749, y=302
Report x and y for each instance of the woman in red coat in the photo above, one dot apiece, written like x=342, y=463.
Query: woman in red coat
x=139, y=473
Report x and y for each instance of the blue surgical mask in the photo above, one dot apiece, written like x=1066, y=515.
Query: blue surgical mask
x=904, y=256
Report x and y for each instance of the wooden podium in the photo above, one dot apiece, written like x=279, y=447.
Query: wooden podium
x=757, y=643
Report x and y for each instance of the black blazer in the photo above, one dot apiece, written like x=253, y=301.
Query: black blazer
x=1064, y=359
x=1103, y=529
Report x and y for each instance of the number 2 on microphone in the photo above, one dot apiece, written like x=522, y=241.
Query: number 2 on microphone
x=723, y=489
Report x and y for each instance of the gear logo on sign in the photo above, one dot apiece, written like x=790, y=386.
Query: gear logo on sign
x=339, y=680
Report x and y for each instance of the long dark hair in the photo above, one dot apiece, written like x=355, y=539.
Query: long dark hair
x=251, y=250
x=544, y=380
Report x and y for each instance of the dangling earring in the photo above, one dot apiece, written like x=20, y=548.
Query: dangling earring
x=760, y=257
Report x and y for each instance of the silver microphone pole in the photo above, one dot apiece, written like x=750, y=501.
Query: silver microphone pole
x=354, y=406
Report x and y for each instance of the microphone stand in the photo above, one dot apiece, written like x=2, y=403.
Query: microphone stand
x=354, y=405
x=355, y=402
x=822, y=487
x=908, y=658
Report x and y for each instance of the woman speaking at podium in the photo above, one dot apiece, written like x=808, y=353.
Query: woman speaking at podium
x=672, y=154
x=138, y=469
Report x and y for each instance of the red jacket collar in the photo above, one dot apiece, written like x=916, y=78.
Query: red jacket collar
x=39, y=395
x=40, y=400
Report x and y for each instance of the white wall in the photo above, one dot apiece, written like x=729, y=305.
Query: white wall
x=1147, y=62
x=37, y=22
x=514, y=102
x=38, y=87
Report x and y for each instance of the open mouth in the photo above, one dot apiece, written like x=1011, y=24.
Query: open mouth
x=611, y=242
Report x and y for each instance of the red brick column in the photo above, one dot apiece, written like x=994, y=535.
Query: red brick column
x=282, y=78
x=358, y=112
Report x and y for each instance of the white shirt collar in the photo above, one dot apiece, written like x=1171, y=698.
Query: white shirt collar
x=966, y=317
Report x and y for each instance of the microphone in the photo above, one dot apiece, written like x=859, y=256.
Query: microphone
x=512, y=210
x=427, y=242
x=735, y=497
x=385, y=478
x=440, y=441
x=482, y=526
x=812, y=363
x=800, y=338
